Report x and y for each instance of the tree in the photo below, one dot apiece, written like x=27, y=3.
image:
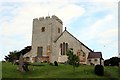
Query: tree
x=114, y=61
x=14, y=55
x=73, y=59
x=25, y=50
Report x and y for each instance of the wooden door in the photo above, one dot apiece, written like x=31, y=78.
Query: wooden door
x=40, y=51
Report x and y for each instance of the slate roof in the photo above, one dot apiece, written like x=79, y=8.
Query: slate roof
x=95, y=55
x=74, y=38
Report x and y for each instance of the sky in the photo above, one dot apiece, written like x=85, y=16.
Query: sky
x=93, y=22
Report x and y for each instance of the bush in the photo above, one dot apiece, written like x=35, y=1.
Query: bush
x=99, y=70
x=55, y=63
x=65, y=63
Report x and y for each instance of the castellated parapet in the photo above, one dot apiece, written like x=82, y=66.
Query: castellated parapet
x=48, y=17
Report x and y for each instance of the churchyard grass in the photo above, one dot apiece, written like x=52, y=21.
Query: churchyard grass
x=47, y=71
x=112, y=71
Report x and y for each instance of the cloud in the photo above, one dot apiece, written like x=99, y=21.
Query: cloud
x=99, y=28
x=105, y=0
x=70, y=12
x=101, y=31
x=16, y=20
x=16, y=24
x=109, y=33
x=21, y=23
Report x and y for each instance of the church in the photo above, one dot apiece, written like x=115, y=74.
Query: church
x=50, y=43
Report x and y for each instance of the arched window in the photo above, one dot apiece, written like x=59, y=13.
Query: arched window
x=66, y=47
x=63, y=48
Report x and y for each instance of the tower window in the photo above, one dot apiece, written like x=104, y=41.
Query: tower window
x=43, y=29
x=58, y=30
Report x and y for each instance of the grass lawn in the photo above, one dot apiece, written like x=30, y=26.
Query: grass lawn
x=47, y=71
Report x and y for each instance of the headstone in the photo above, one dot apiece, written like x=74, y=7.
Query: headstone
x=65, y=63
x=21, y=63
x=55, y=63
x=25, y=66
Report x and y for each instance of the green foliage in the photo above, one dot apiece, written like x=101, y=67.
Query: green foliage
x=113, y=71
x=14, y=55
x=73, y=59
x=25, y=50
x=114, y=61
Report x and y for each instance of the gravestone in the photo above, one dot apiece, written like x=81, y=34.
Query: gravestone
x=55, y=63
x=25, y=66
x=21, y=63
x=65, y=63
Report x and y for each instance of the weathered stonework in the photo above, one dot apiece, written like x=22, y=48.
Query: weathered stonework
x=47, y=36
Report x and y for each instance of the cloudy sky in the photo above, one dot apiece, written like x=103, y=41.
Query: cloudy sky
x=94, y=22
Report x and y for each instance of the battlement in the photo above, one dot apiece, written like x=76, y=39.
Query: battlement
x=41, y=18
x=35, y=19
x=48, y=17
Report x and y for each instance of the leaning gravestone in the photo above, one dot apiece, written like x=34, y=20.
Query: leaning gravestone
x=25, y=66
x=21, y=63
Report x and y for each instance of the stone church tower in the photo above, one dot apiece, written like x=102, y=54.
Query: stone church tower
x=45, y=31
